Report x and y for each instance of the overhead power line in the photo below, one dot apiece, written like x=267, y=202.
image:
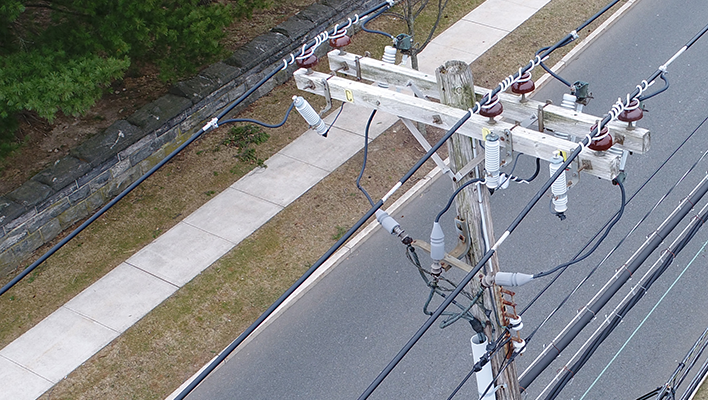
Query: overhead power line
x=584, y=318
x=612, y=251
x=632, y=298
x=614, y=112
x=213, y=123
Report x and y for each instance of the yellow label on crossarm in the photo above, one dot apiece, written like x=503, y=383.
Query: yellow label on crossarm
x=485, y=132
x=349, y=95
x=564, y=154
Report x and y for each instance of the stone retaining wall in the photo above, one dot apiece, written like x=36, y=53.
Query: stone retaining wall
x=104, y=165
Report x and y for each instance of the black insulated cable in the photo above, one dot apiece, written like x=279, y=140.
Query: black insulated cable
x=623, y=275
x=666, y=86
x=532, y=372
x=599, y=241
x=454, y=194
x=261, y=123
x=159, y=165
x=574, y=35
x=225, y=353
x=641, y=187
x=373, y=17
x=626, y=307
x=366, y=152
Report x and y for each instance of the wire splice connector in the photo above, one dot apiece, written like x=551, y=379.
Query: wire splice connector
x=309, y=114
x=213, y=124
x=559, y=187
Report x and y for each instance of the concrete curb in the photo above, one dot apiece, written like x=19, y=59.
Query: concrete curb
x=325, y=269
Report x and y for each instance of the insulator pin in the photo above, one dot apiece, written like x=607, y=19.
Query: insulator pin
x=492, y=109
x=523, y=86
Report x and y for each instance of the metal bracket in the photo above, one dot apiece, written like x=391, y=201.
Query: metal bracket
x=448, y=259
x=540, y=119
x=508, y=146
x=573, y=174
x=529, y=121
x=416, y=90
x=423, y=142
x=358, y=68
x=463, y=239
x=327, y=96
x=464, y=171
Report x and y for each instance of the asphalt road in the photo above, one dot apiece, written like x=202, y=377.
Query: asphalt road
x=334, y=341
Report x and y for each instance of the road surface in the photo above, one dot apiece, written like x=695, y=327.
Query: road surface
x=333, y=342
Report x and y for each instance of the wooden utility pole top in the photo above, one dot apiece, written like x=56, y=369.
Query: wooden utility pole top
x=456, y=88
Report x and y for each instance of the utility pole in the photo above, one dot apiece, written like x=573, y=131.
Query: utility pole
x=516, y=128
x=456, y=87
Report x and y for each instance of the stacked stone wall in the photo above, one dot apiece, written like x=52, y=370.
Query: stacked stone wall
x=103, y=166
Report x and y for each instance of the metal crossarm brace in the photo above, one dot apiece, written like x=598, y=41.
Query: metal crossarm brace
x=426, y=146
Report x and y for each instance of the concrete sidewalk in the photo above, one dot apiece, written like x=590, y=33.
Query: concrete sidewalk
x=44, y=355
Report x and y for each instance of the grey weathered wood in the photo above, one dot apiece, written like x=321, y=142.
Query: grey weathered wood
x=426, y=146
x=456, y=87
x=527, y=141
x=557, y=118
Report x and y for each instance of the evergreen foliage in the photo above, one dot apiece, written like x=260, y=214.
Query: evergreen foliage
x=60, y=54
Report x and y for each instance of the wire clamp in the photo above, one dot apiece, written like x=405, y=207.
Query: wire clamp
x=574, y=34
x=214, y=123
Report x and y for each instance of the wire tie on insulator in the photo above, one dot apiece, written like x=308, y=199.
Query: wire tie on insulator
x=702, y=220
x=338, y=33
x=522, y=80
